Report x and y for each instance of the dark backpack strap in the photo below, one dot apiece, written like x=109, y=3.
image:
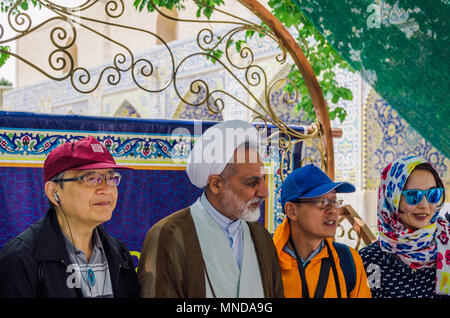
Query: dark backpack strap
x=347, y=264
x=301, y=272
x=323, y=278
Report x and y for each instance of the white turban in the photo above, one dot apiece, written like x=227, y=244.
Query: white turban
x=215, y=148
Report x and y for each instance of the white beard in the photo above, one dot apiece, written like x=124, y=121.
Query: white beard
x=250, y=215
x=235, y=205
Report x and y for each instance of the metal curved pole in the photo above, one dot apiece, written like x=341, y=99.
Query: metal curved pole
x=307, y=72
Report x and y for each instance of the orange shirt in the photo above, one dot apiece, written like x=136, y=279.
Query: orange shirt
x=291, y=276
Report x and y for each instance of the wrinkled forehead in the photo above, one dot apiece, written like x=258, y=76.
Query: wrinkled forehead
x=247, y=170
x=246, y=155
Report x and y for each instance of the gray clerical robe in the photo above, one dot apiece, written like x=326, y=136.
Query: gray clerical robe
x=172, y=265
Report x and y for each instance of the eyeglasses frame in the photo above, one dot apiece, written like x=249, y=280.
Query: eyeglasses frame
x=326, y=201
x=103, y=176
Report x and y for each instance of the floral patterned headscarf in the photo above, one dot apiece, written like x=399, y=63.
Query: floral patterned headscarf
x=425, y=247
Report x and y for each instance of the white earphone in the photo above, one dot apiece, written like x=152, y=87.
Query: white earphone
x=56, y=197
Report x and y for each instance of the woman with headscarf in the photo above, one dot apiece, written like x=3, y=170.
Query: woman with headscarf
x=412, y=255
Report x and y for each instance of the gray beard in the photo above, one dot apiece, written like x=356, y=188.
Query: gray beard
x=248, y=215
x=251, y=215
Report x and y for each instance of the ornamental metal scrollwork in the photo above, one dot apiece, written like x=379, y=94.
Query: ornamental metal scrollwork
x=239, y=64
x=64, y=35
x=352, y=238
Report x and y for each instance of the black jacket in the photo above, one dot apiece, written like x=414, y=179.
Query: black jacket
x=34, y=264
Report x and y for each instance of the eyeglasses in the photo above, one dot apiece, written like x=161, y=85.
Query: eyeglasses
x=93, y=179
x=323, y=203
x=414, y=197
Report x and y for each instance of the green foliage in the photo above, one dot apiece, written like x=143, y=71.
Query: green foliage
x=205, y=7
x=287, y=12
x=4, y=56
x=169, y=4
x=321, y=55
x=6, y=5
x=5, y=82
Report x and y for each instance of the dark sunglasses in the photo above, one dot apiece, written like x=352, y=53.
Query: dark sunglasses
x=414, y=197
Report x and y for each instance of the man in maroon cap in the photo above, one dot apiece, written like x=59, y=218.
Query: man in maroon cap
x=68, y=253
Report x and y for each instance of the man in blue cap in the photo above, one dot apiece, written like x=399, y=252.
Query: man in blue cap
x=312, y=265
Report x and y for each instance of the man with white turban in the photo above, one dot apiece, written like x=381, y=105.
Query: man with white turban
x=215, y=247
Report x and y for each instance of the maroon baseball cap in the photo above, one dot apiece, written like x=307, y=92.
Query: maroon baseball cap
x=83, y=154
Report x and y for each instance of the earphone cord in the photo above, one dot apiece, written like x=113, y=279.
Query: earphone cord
x=76, y=256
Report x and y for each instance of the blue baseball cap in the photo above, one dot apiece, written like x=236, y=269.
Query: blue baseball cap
x=310, y=182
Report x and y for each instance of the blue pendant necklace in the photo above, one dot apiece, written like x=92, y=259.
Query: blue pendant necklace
x=91, y=277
